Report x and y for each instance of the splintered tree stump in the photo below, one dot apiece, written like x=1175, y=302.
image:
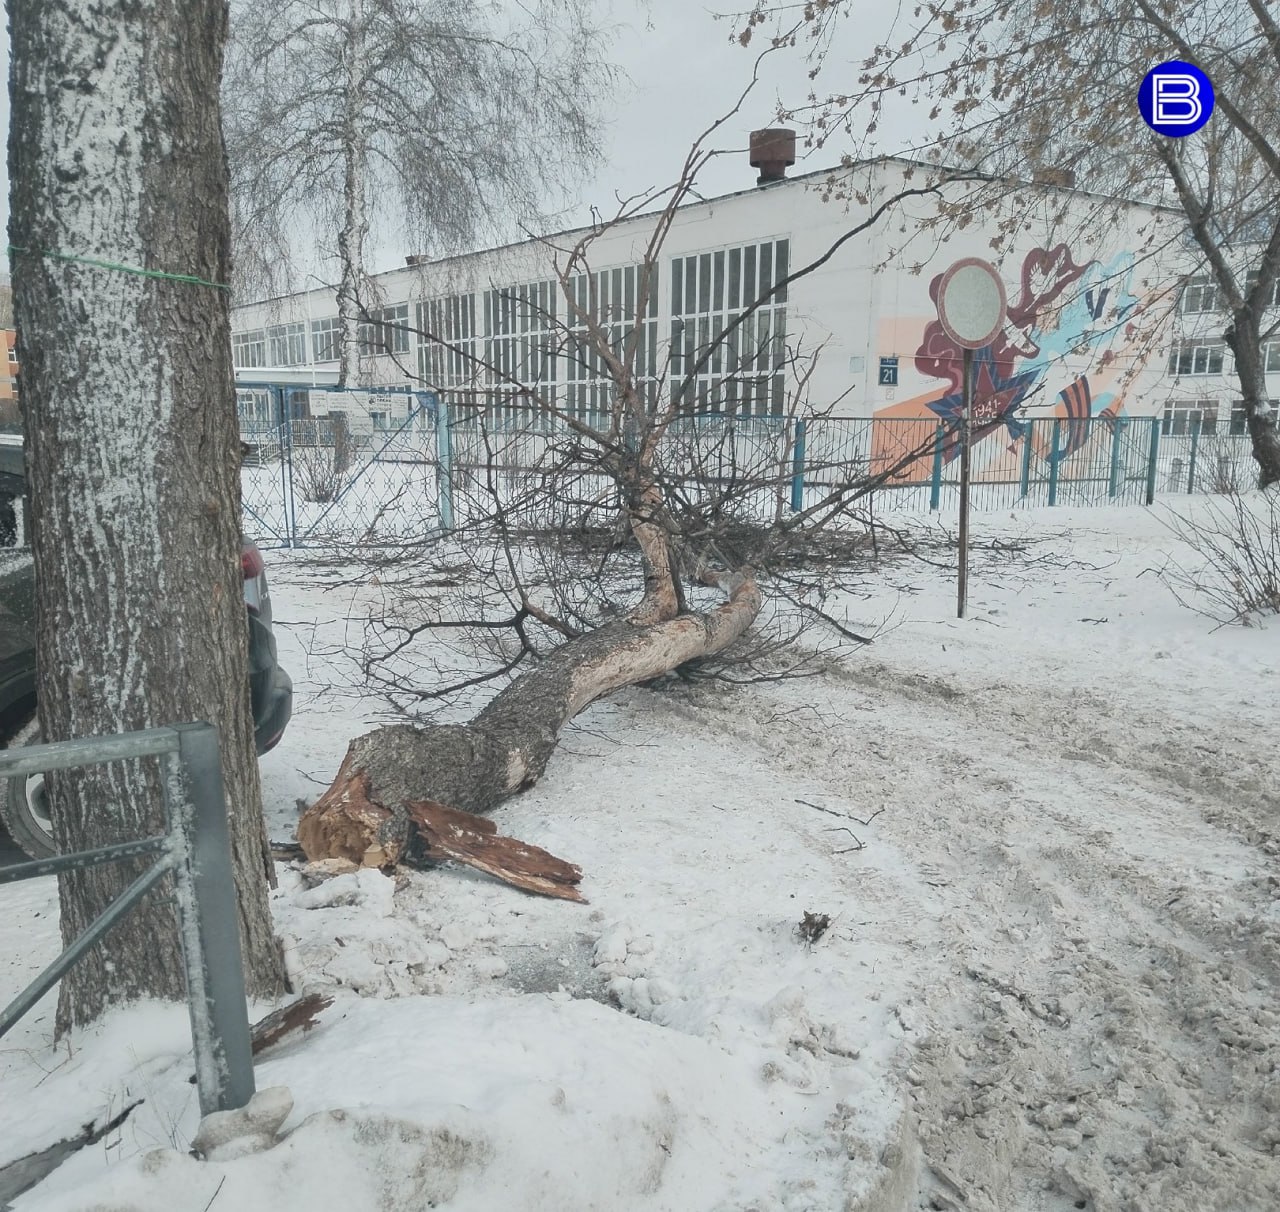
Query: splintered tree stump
x=407, y=794
x=347, y=823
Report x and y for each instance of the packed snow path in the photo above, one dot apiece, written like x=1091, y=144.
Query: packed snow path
x=1049, y=981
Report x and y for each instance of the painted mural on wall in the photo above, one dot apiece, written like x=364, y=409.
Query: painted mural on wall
x=1067, y=340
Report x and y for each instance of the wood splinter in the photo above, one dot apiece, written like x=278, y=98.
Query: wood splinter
x=446, y=833
x=347, y=822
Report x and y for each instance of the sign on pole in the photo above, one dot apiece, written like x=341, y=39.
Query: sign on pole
x=971, y=303
x=971, y=309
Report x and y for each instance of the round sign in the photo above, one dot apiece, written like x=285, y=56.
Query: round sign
x=1175, y=99
x=971, y=303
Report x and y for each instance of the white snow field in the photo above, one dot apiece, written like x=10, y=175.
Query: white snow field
x=1049, y=982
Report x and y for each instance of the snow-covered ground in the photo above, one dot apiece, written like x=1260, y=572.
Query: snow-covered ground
x=1049, y=982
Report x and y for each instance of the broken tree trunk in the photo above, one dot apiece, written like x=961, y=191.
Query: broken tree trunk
x=368, y=813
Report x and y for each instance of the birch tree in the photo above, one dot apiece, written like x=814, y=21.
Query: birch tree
x=431, y=122
x=119, y=223
x=1025, y=89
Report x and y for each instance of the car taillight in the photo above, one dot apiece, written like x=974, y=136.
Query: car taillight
x=252, y=563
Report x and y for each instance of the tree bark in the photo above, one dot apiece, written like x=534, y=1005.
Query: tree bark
x=475, y=766
x=1245, y=343
x=355, y=217
x=115, y=156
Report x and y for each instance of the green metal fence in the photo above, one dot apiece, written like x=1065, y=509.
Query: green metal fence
x=457, y=462
x=1048, y=461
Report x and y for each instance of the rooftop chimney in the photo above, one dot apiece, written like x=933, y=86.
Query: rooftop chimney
x=773, y=151
x=1064, y=178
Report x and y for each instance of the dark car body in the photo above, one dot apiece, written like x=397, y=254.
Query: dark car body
x=270, y=687
x=17, y=633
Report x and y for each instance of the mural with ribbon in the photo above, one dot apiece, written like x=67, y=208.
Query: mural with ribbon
x=1061, y=312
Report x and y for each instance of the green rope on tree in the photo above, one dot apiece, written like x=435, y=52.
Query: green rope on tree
x=189, y=279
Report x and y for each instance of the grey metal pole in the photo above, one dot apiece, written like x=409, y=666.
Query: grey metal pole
x=444, y=460
x=124, y=904
x=209, y=921
x=966, y=421
x=286, y=472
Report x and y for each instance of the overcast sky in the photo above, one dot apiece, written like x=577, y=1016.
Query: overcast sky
x=683, y=72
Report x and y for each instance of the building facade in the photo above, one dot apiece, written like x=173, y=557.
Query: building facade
x=1101, y=322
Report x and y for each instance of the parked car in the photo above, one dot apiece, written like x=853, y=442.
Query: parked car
x=24, y=808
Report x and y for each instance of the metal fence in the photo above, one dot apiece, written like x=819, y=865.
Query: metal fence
x=196, y=848
x=1047, y=461
x=308, y=483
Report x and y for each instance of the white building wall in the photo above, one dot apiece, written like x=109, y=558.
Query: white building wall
x=871, y=300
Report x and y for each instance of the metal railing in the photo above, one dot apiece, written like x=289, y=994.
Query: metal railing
x=196, y=848
x=438, y=469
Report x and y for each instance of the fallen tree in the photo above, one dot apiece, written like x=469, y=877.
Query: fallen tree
x=395, y=782
x=677, y=515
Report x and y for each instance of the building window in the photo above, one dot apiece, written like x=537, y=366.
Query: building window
x=386, y=331
x=520, y=348
x=249, y=349
x=607, y=301
x=1273, y=357
x=447, y=343
x=709, y=291
x=254, y=408
x=1239, y=422
x=394, y=325
x=326, y=338
x=1190, y=358
x=381, y=420
x=1270, y=298
x=1182, y=416
x=13, y=356
x=287, y=344
x=1200, y=294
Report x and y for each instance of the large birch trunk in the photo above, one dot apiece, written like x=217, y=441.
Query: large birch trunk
x=355, y=215
x=115, y=155
x=366, y=816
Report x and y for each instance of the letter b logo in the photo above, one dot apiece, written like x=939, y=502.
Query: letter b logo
x=1175, y=98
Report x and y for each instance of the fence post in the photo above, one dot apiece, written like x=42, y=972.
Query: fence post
x=935, y=487
x=1054, y=460
x=797, y=469
x=1113, y=481
x=1195, y=445
x=285, y=431
x=1026, y=458
x=1153, y=455
x=444, y=457
x=209, y=922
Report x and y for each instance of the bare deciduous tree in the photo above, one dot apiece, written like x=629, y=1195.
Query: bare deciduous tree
x=426, y=120
x=1232, y=570
x=1027, y=90
x=626, y=550
x=120, y=230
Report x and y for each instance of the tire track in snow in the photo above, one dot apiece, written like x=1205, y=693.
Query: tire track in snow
x=1099, y=926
